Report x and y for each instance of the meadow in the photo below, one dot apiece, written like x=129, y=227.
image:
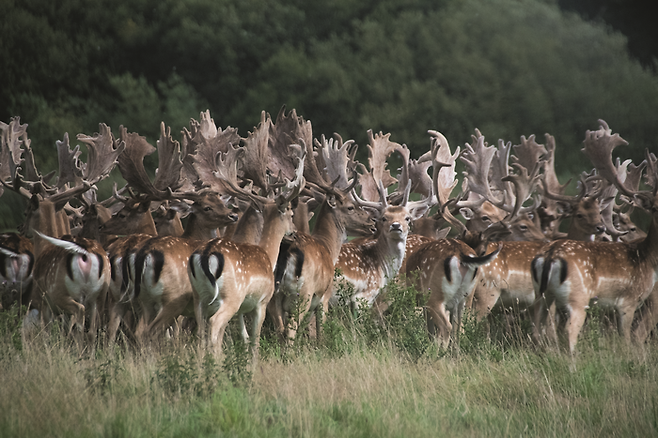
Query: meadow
x=364, y=377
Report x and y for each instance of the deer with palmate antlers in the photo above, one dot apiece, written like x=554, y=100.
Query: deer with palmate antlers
x=71, y=274
x=230, y=278
x=368, y=265
x=616, y=274
x=304, y=270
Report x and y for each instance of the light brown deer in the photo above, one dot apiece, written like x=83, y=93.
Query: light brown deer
x=230, y=278
x=71, y=275
x=446, y=270
x=305, y=267
x=618, y=275
x=367, y=265
x=158, y=265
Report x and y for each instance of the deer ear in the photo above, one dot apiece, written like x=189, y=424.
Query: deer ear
x=418, y=212
x=467, y=213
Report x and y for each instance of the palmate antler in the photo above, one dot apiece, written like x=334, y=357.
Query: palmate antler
x=14, y=136
x=598, y=147
x=204, y=140
x=285, y=131
x=380, y=147
x=477, y=158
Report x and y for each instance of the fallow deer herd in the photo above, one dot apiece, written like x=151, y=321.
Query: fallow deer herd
x=127, y=264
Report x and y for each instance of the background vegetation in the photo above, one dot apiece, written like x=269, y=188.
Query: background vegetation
x=507, y=67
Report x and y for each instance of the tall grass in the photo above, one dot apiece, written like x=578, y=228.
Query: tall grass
x=365, y=377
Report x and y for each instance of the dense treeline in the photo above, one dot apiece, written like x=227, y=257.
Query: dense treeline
x=507, y=67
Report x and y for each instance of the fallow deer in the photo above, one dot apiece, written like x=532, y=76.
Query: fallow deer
x=230, y=278
x=304, y=270
x=618, y=275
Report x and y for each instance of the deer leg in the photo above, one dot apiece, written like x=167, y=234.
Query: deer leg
x=647, y=317
x=218, y=323
x=168, y=314
x=541, y=311
x=577, y=315
x=624, y=321
x=257, y=325
x=200, y=320
x=303, y=304
x=441, y=320
x=275, y=309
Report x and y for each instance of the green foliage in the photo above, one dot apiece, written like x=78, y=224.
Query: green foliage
x=507, y=67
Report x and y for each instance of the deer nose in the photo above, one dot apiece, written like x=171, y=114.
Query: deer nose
x=233, y=217
x=396, y=226
x=600, y=229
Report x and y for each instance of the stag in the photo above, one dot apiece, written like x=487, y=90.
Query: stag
x=305, y=267
x=229, y=277
x=618, y=275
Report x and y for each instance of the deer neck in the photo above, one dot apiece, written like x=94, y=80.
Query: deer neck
x=273, y=232
x=197, y=231
x=648, y=248
x=391, y=252
x=249, y=228
x=329, y=230
x=147, y=225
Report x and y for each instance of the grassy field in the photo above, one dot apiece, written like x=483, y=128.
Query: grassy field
x=364, y=378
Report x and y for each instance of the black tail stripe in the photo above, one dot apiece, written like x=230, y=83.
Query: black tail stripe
x=139, y=268
x=192, y=264
x=159, y=260
x=69, y=267
x=446, y=269
x=533, y=270
x=563, y=274
x=101, y=265
x=3, y=265
x=300, y=262
x=281, y=262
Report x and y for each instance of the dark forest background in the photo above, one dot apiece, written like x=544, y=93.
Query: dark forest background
x=506, y=67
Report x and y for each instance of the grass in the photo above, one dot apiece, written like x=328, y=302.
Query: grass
x=366, y=378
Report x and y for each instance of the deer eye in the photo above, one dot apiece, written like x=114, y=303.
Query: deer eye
x=350, y=208
x=486, y=219
x=207, y=208
x=408, y=219
x=523, y=227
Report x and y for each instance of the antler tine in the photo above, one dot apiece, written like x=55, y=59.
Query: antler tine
x=380, y=205
x=104, y=150
x=379, y=149
x=550, y=177
x=477, y=159
x=14, y=137
x=598, y=146
x=524, y=185
x=500, y=169
x=337, y=159
x=10, y=157
x=70, y=168
x=10, y=153
x=287, y=130
x=293, y=188
x=226, y=177
x=131, y=164
x=651, y=176
x=528, y=152
x=257, y=153
x=170, y=166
